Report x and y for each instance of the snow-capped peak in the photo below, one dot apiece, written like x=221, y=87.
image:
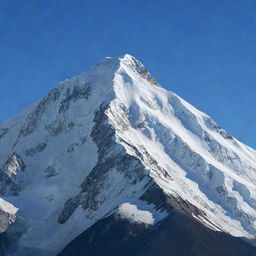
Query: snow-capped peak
x=112, y=135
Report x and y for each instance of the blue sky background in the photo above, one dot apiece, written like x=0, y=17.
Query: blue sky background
x=202, y=50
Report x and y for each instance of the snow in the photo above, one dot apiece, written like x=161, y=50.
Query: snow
x=7, y=207
x=168, y=118
x=130, y=212
x=206, y=167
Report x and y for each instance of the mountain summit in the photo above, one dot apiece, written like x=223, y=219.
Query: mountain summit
x=109, y=162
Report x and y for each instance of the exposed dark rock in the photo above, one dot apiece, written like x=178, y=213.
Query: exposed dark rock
x=143, y=72
x=176, y=235
x=141, y=125
x=131, y=168
x=155, y=195
x=37, y=149
x=8, y=185
x=83, y=139
x=58, y=127
x=3, y=131
x=71, y=148
x=78, y=92
x=9, y=182
x=69, y=208
x=51, y=172
x=34, y=116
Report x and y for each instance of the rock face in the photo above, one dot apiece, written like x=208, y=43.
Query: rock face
x=11, y=175
x=177, y=234
x=109, y=162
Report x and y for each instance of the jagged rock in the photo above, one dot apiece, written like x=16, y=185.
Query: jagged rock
x=78, y=92
x=69, y=207
x=143, y=72
x=34, y=117
x=10, y=175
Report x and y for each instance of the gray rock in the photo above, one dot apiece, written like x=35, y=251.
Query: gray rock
x=176, y=235
x=51, y=172
x=78, y=92
x=37, y=149
x=69, y=208
x=10, y=175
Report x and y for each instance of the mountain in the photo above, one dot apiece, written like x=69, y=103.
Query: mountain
x=111, y=163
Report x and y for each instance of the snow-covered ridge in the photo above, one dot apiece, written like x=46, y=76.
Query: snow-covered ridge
x=104, y=138
x=188, y=144
x=132, y=213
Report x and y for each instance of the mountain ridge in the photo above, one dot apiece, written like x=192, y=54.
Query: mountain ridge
x=86, y=151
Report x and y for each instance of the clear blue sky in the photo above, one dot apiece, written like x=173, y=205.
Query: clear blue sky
x=202, y=50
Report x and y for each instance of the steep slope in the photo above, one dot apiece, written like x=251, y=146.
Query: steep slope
x=178, y=234
x=110, y=136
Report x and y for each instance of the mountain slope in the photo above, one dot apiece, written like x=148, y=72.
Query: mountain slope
x=177, y=234
x=112, y=136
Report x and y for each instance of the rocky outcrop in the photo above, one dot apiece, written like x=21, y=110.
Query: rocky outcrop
x=11, y=175
x=144, y=73
x=177, y=234
x=51, y=171
x=37, y=149
x=34, y=117
x=69, y=207
x=58, y=127
x=78, y=92
x=112, y=157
